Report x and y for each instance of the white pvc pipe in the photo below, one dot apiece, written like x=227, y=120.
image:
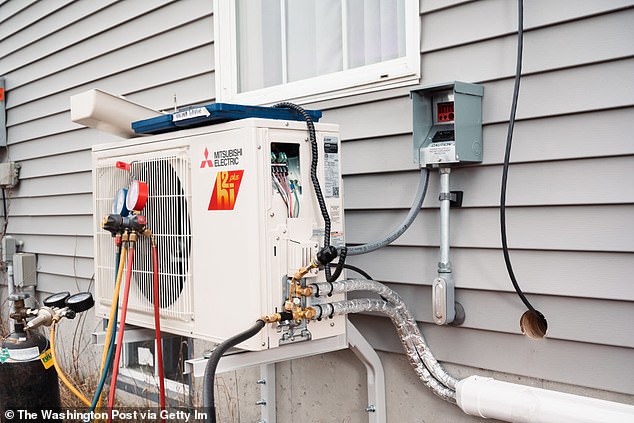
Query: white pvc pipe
x=489, y=398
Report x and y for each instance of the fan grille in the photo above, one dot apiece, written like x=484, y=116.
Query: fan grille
x=168, y=176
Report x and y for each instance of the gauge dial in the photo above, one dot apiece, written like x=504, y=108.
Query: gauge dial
x=137, y=195
x=118, y=205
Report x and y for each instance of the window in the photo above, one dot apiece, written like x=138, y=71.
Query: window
x=272, y=50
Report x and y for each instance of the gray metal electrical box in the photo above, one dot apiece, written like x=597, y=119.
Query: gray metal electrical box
x=24, y=269
x=447, y=124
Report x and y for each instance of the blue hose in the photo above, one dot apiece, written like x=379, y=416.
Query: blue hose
x=111, y=348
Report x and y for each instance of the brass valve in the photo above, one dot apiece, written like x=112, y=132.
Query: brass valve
x=308, y=313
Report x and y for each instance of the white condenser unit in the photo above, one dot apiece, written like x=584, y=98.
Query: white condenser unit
x=234, y=214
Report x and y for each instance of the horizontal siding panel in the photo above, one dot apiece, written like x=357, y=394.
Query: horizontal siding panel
x=584, y=135
x=89, y=26
x=384, y=154
x=501, y=18
x=160, y=47
x=72, y=183
x=9, y=8
x=560, y=273
x=36, y=13
x=579, y=42
x=426, y=6
x=51, y=225
x=593, y=134
x=571, y=319
x=193, y=90
x=79, y=267
x=562, y=92
x=591, y=365
x=179, y=67
x=57, y=165
x=66, y=142
x=573, y=228
x=550, y=183
x=541, y=95
x=61, y=245
x=67, y=205
x=140, y=25
x=51, y=283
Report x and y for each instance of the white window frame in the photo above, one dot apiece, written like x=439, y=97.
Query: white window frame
x=378, y=76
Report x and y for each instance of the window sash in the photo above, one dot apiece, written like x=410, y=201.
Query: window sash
x=391, y=73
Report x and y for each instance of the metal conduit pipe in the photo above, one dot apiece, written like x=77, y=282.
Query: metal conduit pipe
x=443, y=307
x=417, y=338
x=400, y=229
x=403, y=329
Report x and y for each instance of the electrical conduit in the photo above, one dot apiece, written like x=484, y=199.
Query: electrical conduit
x=400, y=229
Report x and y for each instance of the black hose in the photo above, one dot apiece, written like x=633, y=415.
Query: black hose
x=212, y=365
x=313, y=171
x=507, y=155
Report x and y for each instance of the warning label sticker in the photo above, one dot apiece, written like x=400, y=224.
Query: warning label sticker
x=440, y=152
x=331, y=167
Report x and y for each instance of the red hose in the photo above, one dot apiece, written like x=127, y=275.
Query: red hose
x=124, y=310
x=157, y=325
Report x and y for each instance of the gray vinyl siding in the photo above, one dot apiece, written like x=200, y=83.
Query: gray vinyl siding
x=571, y=196
x=149, y=51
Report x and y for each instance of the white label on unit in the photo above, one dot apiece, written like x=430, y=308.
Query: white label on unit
x=440, y=152
x=190, y=113
x=25, y=354
x=331, y=167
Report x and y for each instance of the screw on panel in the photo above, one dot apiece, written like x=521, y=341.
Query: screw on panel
x=332, y=324
x=261, y=382
x=260, y=402
x=271, y=214
x=370, y=408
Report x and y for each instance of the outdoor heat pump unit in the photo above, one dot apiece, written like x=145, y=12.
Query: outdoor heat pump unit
x=229, y=238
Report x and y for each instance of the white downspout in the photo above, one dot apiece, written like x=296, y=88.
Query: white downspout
x=492, y=399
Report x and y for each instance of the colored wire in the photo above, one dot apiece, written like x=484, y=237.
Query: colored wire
x=507, y=156
x=157, y=325
x=313, y=170
x=108, y=351
x=61, y=374
x=124, y=310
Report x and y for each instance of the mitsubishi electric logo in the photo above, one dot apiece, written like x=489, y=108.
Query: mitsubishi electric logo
x=206, y=161
x=228, y=157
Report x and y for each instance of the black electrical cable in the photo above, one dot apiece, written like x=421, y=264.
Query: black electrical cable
x=313, y=171
x=4, y=206
x=340, y=264
x=354, y=269
x=507, y=157
x=212, y=365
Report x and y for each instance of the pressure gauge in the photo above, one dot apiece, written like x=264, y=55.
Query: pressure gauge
x=80, y=302
x=137, y=195
x=118, y=205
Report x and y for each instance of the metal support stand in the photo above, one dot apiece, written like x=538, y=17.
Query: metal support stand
x=376, y=408
x=267, y=393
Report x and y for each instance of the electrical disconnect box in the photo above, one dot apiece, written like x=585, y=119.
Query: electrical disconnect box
x=447, y=124
x=24, y=269
x=234, y=214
